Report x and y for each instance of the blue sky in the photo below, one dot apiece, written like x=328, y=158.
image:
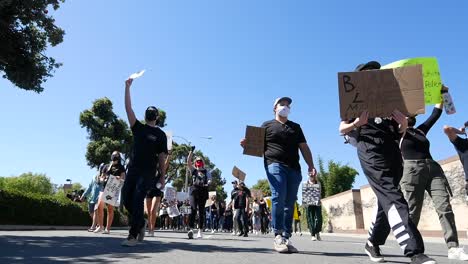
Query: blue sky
x=217, y=66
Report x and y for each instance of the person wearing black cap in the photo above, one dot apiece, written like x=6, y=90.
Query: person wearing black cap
x=381, y=161
x=147, y=158
x=461, y=146
x=283, y=140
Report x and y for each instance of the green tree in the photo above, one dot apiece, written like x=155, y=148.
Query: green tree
x=26, y=30
x=264, y=186
x=107, y=132
x=336, y=179
x=178, y=168
x=30, y=182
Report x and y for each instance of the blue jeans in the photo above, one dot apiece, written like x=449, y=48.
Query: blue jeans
x=134, y=192
x=284, y=184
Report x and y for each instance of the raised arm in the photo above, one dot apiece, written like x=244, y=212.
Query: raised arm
x=189, y=160
x=436, y=113
x=452, y=133
x=347, y=126
x=128, y=103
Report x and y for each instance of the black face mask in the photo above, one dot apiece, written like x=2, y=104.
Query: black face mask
x=411, y=121
x=115, y=158
x=151, y=114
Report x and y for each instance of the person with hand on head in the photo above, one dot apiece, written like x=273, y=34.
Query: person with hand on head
x=117, y=170
x=283, y=140
x=421, y=173
x=148, y=156
x=201, y=178
x=461, y=146
x=381, y=161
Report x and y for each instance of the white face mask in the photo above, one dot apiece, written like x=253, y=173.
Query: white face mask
x=283, y=111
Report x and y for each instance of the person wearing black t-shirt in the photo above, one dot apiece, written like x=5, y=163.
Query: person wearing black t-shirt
x=117, y=170
x=241, y=204
x=421, y=173
x=148, y=155
x=201, y=178
x=381, y=161
x=461, y=146
x=283, y=140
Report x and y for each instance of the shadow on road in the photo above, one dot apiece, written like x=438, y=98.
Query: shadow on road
x=72, y=249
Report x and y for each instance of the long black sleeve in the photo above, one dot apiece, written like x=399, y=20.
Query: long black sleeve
x=427, y=125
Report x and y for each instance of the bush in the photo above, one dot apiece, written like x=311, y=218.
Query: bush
x=18, y=208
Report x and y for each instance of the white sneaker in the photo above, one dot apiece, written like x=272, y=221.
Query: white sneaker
x=319, y=238
x=457, y=253
x=151, y=233
x=98, y=230
x=279, y=244
x=313, y=238
x=212, y=232
x=233, y=233
x=291, y=248
x=129, y=242
x=199, y=235
x=106, y=232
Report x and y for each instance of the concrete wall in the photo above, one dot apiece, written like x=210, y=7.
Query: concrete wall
x=341, y=206
x=343, y=210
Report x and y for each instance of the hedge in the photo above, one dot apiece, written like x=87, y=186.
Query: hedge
x=17, y=208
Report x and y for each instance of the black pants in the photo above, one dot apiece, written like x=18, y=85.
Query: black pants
x=242, y=221
x=199, y=197
x=137, y=182
x=383, y=166
x=264, y=221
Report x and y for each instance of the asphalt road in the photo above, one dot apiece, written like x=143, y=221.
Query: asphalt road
x=173, y=248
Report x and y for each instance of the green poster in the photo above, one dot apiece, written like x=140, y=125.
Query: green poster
x=431, y=76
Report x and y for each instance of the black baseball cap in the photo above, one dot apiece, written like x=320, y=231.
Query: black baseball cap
x=371, y=65
x=234, y=182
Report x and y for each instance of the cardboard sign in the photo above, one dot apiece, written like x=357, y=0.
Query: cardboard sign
x=169, y=136
x=182, y=196
x=431, y=76
x=257, y=194
x=381, y=92
x=255, y=141
x=210, y=196
x=236, y=172
x=112, y=191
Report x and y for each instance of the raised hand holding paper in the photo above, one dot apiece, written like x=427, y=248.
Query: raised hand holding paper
x=137, y=74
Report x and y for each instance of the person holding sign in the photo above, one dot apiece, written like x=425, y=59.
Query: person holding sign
x=283, y=140
x=148, y=155
x=311, y=195
x=461, y=146
x=421, y=173
x=381, y=161
x=116, y=170
x=201, y=178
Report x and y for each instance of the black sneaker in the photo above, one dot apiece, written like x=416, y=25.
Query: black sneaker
x=374, y=253
x=246, y=235
x=241, y=234
x=422, y=259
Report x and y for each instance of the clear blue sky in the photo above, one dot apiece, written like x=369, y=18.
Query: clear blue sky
x=217, y=66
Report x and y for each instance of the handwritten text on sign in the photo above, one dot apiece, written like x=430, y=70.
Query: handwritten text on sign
x=255, y=141
x=431, y=76
x=381, y=92
x=112, y=191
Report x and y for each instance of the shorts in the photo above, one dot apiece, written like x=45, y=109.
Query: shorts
x=154, y=192
x=91, y=207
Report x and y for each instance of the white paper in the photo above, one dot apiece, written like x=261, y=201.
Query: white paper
x=173, y=211
x=137, y=74
x=169, y=140
x=112, y=191
x=170, y=194
x=182, y=196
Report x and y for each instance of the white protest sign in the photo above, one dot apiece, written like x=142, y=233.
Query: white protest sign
x=170, y=194
x=137, y=74
x=185, y=210
x=182, y=196
x=112, y=191
x=173, y=211
x=169, y=136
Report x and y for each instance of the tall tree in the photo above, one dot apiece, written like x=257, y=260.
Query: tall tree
x=338, y=178
x=178, y=169
x=106, y=131
x=26, y=30
x=264, y=186
x=30, y=182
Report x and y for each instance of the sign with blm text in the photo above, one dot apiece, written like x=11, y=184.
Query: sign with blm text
x=380, y=92
x=255, y=141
